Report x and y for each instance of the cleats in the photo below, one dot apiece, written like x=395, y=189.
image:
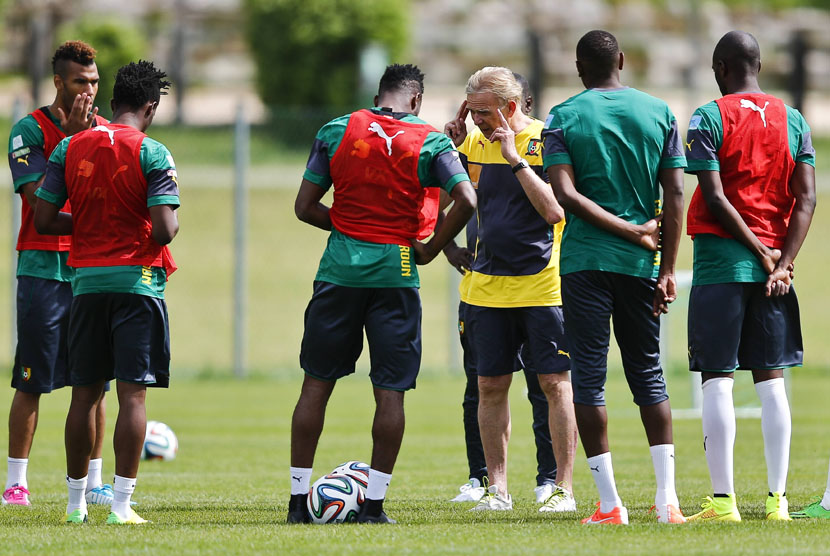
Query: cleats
x=101, y=495
x=814, y=510
x=717, y=509
x=560, y=500
x=543, y=492
x=131, y=519
x=77, y=516
x=471, y=491
x=16, y=496
x=298, y=509
x=364, y=517
x=493, y=501
x=668, y=513
x=777, y=507
x=617, y=516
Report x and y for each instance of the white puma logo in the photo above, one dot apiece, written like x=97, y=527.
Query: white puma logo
x=376, y=127
x=749, y=104
x=110, y=132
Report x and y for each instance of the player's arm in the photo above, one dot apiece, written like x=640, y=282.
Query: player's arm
x=308, y=207
x=464, y=203
x=51, y=196
x=803, y=187
x=671, y=179
x=727, y=215
x=562, y=179
x=28, y=191
x=538, y=192
x=49, y=220
x=459, y=257
x=165, y=223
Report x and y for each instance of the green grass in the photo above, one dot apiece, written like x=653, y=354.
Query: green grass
x=226, y=491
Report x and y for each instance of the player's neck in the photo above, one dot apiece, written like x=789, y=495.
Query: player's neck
x=53, y=108
x=748, y=85
x=128, y=118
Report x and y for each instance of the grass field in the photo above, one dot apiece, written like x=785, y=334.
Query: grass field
x=226, y=491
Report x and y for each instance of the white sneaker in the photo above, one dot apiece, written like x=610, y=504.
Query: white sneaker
x=492, y=500
x=560, y=500
x=543, y=492
x=471, y=491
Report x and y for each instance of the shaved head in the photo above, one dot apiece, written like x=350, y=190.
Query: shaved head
x=739, y=51
x=598, y=53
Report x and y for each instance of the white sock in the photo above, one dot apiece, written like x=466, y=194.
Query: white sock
x=776, y=425
x=825, y=502
x=77, y=490
x=603, y=473
x=300, y=479
x=94, y=477
x=17, y=473
x=122, y=490
x=719, y=433
x=662, y=457
x=378, y=483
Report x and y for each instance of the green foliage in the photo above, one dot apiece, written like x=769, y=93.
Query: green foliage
x=117, y=44
x=307, y=51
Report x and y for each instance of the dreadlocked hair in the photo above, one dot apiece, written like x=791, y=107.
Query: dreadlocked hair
x=72, y=51
x=138, y=83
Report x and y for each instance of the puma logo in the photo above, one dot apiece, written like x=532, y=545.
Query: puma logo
x=23, y=159
x=704, y=443
x=298, y=479
x=108, y=131
x=376, y=127
x=689, y=145
x=745, y=103
x=594, y=468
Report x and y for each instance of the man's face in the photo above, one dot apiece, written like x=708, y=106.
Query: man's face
x=77, y=79
x=483, y=109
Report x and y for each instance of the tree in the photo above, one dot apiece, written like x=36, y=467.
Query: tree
x=307, y=51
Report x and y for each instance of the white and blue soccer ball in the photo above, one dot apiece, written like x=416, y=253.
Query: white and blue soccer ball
x=334, y=499
x=160, y=442
x=357, y=470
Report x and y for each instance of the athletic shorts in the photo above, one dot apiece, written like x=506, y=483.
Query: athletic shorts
x=467, y=347
x=591, y=299
x=735, y=326
x=335, y=320
x=42, y=324
x=124, y=336
x=498, y=334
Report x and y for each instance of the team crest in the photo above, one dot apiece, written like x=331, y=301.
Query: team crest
x=534, y=147
x=25, y=373
x=461, y=327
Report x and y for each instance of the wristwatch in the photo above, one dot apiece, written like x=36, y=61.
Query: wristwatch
x=522, y=164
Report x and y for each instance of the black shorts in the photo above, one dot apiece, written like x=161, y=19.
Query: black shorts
x=40, y=359
x=333, y=337
x=498, y=335
x=735, y=326
x=591, y=299
x=119, y=335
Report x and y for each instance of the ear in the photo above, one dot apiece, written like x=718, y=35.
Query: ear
x=512, y=105
x=621, y=62
x=58, y=81
x=580, y=71
x=150, y=109
x=376, y=100
x=415, y=103
x=112, y=105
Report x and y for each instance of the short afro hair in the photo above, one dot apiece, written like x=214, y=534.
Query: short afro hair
x=599, y=52
x=401, y=76
x=72, y=51
x=138, y=83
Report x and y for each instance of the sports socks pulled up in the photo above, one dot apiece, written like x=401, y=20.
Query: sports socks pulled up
x=603, y=473
x=17, y=472
x=719, y=433
x=300, y=479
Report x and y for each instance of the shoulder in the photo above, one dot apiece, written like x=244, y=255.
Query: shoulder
x=705, y=116
x=26, y=133
x=796, y=119
x=335, y=127
x=154, y=154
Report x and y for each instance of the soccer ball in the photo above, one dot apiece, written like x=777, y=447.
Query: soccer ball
x=160, y=442
x=357, y=470
x=334, y=499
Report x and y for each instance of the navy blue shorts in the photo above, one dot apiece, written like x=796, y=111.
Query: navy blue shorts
x=333, y=337
x=735, y=326
x=124, y=336
x=467, y=345
x=591, y=299
x=40, y=359
x=498, y=335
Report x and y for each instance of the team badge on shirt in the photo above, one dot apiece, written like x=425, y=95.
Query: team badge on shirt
x=25, y=373
x=534, y=147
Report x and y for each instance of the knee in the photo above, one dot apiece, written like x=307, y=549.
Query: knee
x=556, y=385
x=493, y=388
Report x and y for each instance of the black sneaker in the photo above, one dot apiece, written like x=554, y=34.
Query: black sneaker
x=297, y=509
x=365, y=517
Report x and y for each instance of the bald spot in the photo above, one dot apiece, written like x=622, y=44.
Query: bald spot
x=739, y=51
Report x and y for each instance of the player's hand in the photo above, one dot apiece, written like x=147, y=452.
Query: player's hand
x=457, y=129
x=770, y=260
x=459, y=257
x=80, y=116
x=423, y=252
x=778, y=282
x=506, y=137
x=665, y=292
x=648, y=233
